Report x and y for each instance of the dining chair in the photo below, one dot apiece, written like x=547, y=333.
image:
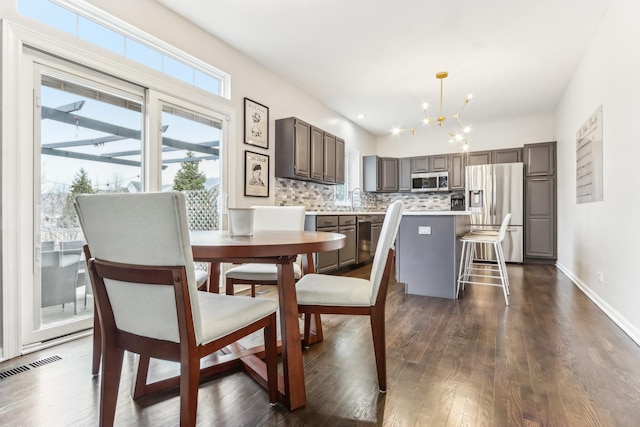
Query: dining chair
x=484, y=272
x=327, y=294
x=141, y=267
x=267, y=218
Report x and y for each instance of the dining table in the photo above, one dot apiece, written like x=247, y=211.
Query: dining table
x=272, y=247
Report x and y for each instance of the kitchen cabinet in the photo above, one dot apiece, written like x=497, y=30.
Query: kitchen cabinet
x=510, y=155
x=380, y=174
x=404, y=174
x=347, y=226
x=340, y=160
x=326, y=262
x=307, y=153
x=293, y=143
x=540, y=200
x=329, y=157
x=317, y=153
x=420, y=164
x=456, y=171
x=540, y=159
x=479, y=158
x=439, y=163
x=376, y=227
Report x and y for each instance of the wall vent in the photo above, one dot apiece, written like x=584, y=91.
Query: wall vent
x=24, y=368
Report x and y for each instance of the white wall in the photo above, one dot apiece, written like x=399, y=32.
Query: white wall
x=248, y=79
x=601, y=236
x=485, y=136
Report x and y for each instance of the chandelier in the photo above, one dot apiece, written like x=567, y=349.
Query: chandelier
x=457, y=136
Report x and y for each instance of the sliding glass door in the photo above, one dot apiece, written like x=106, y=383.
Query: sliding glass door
x=89, y=136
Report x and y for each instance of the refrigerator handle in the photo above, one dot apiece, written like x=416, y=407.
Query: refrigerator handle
x=493, y=195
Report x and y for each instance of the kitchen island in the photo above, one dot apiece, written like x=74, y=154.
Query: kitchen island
x=428, y=251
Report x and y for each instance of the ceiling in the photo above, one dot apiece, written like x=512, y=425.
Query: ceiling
x=379, y=57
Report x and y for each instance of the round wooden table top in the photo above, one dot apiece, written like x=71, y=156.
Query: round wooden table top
x=218, y=244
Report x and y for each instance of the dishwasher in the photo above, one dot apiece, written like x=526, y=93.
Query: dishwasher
x=364, y=239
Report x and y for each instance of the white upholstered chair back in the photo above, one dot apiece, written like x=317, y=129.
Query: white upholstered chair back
x=387, y=238
x=142, y=229
x=278, y=218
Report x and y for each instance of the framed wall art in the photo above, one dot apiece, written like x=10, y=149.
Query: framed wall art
x=256, y=174
x=256, y=124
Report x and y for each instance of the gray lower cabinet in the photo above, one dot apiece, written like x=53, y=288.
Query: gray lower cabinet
x=376, y=227
x=326, y=262
x=404, y=174
x=347, y=226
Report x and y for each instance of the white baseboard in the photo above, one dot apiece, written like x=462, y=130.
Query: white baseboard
x=613, y=314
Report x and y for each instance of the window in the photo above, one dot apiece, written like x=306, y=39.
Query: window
x=341, y=192
x=93, y=25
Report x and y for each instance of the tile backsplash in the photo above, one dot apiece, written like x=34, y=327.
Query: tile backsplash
x=320, y=197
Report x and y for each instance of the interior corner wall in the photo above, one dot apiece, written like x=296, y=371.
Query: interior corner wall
x=248, y=79
x=599, y=237
x=507, y=133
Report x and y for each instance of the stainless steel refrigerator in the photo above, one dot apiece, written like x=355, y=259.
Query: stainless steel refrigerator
x=492, y=191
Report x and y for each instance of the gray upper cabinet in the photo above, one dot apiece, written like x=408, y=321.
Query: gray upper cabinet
x=439, y=163
x=293, y=143
x=456, y=171
x=510, y=155
x=479, y=158
x=404, y=174
x=540, y=159
x=380, y=173
x=339, y=160
x=420, y=164
x=317, y=153
x=307, y=153
x=329, y=157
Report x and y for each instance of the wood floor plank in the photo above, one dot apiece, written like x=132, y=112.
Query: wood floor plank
x=551, y=358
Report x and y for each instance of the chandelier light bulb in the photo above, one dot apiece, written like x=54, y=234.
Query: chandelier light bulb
x=396, y=131
x=458, y=137
x=467, y=129
x=425, y=106
x=469, y=96
x=465, y=147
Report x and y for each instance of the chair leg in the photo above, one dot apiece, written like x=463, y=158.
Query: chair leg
x=97, y=343
x=502, y=270
x=379, y=346
x=271, y=359
x=307, y=330
x=460, y=268
x=189, y=383
x=139, y=387
x=253, y=291
x=229, y=286
x=110, y=382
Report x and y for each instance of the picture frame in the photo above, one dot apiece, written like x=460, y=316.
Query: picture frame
x=256, y=174
x=256, y=124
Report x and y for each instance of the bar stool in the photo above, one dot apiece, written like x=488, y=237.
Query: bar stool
x=470, y=269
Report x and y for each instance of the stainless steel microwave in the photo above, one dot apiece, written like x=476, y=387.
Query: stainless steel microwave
x=429, y=182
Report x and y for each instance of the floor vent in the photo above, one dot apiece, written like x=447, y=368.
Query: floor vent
x=44, y=361
x=24, y=368
x=13, y=371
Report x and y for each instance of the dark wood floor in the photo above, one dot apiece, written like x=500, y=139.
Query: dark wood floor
x=551, y=358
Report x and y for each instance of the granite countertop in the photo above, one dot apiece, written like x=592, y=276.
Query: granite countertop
x=417, y=213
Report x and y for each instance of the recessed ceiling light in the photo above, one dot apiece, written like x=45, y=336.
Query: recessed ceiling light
x=361, y=116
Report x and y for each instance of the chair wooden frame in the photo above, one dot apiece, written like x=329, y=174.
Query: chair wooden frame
x=115, y=341
x=375, y=312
